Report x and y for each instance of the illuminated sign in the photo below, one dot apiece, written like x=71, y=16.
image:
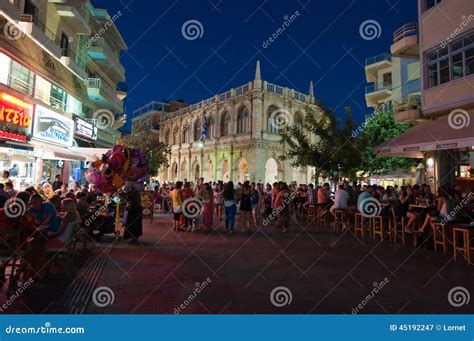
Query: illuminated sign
x=15, y=118
x=85, y=129
x=52, y=127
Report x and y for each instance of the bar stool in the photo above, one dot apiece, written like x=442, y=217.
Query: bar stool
x=359, y=224
x=439, y=230
x=397, y=227
x=377, y=227
x=311, y=213
x=339, y=216
x=466, y=245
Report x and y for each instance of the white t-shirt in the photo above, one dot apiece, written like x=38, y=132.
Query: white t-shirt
x=340, y=199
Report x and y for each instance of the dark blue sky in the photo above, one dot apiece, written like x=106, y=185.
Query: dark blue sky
x=323, y=44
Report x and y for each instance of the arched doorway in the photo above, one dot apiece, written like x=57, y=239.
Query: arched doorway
x=209, y=172
x=271, y=171
x=225, y=171
x=183, y=173
x=196, y=171
x=164, y=173
x=242, y=170
x=174, y=171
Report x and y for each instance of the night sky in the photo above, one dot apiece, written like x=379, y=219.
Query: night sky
x=322, y=44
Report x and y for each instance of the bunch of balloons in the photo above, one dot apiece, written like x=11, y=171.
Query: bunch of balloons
x=119, y=166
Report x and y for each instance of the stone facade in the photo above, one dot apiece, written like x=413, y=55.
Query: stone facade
x=243, y=140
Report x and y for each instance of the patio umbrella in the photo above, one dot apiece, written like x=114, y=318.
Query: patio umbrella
x=420, y=174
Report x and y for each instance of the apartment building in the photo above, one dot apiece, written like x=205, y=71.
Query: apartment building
x=60, y=68
x=395, y=77
x=446, y=138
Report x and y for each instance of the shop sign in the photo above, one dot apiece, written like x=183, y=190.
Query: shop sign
x=15, y=118
x=85, y=129
x=52, y=127
x=447, y=146
x=411, y=149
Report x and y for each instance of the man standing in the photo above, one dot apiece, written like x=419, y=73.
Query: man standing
x=176, y=202
x=57, y=183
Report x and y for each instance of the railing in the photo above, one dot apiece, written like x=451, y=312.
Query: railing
x=242, y=90
x=35, y=21
x=406, y=30
x=102, y=43
x=299, y=96
x=274, y=89
x=379, y=58
x=410, y=102
x=152, y=106
x=20, y=85
x=374, y=87
x=97, y=83
x=67, y=52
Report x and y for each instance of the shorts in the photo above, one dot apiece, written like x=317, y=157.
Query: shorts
x=176, y=216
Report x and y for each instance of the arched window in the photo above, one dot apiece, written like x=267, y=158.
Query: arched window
x=299, y=120
x=211, y=126
x=273, y=123
x=184, y=133
x=243, y=121
x=176, y=135
x=197, y=129
x=167, y=137
x=225, y=121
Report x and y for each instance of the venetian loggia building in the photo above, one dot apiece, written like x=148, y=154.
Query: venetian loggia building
x=243, y=126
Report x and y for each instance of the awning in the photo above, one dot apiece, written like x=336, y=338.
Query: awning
x=439, y=134
x=90, y=154
x=48, y=151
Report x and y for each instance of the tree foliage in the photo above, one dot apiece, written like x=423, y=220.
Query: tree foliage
x=149, y=145
x=325, y=143
x=378, y=129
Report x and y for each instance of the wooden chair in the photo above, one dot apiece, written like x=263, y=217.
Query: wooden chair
x=67, y=252
x=439, y=236
x=359, y=224
x=378, y=224
x=397, y=227
x=312, y=213
x=9, y=250
x=465, y=248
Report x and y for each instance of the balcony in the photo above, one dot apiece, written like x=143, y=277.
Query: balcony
x=74, y=63
x=11, y=9
x=376, y=93
x=100, y=51
x=405, y=42
x=103, y=94
x=121, y=91
x=374, y=64
x=38, y=32
x=73, y=18
x=408, y=109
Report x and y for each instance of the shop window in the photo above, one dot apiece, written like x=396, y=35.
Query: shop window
x=58, y=98
x=21, y=78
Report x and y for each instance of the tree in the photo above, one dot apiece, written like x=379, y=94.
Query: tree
x=149, y=145
x=323, y=142
x=379, y=128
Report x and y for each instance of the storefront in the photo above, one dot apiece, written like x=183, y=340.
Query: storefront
x=52, y=136
x=85, y=136
x=16, y=154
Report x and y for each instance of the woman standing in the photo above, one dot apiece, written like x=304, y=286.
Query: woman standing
x=246, y=206
x=229, y=206
x=219, y=200
x=207, y=209
x=133, y=222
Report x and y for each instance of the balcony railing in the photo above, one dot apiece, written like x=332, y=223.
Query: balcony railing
x=97, y=83
x=371, y=88
x=67, y=52
x=411, y=102
x=35, y=21
x=406, y=30
x=379, y=58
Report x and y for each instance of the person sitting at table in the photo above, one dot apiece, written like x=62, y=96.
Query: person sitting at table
x=427, y=197
x=55, y=200
x=65, y=232
x=44, y=213
x=82, y=206
x=412, y=216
